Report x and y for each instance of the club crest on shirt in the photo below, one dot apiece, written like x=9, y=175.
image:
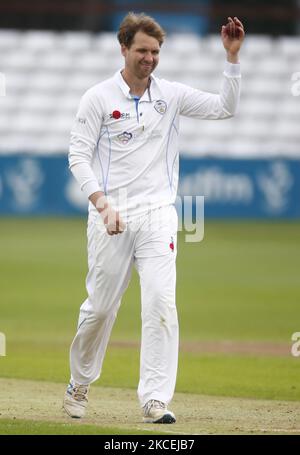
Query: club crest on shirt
x=124, y=137
x=160, y=106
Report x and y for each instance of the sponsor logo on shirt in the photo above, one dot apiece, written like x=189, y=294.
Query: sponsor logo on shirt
x=117, y=115
x=171, y=245
x=160, y=106
x=124, y=137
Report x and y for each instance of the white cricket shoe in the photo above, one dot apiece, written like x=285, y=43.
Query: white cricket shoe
x=76, y=400
x=156, y=412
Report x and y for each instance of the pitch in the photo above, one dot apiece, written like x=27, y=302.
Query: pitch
x=238, y=296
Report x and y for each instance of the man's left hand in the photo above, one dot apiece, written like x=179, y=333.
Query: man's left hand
x=232, y=36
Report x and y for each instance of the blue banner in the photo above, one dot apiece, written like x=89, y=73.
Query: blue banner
x=250, y=188
x=233, y=188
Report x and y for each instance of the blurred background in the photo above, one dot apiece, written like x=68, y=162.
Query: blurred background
x=52, y=51
x=239, y=288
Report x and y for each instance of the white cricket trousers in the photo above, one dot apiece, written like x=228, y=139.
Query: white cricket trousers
x=149, y=243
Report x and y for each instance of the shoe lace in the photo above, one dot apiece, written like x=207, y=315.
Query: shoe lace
x=154, y=404
x=80, y=392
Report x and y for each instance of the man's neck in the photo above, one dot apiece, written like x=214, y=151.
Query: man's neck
x=137, y=86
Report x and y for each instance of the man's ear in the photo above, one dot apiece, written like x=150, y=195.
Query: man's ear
x=123, y=50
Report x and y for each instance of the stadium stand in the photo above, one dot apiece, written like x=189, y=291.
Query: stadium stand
x=47, y=72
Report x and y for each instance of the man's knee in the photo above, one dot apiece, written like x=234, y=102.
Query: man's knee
x=159, y=293
x=104, y=313
x=159, y=305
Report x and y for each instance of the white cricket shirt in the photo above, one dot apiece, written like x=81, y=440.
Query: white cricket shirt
x=128, y=148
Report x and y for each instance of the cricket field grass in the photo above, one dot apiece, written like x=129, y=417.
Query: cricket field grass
x=238, y=300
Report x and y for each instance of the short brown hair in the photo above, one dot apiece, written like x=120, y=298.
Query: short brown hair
x=133, y=23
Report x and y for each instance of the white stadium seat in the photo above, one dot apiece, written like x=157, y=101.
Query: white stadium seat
x=39, y=102
x=287, y=129
x=68, y=103
x=48, y=82
x=75, y=41
x=257, y=44
x=290, y=108
x=9, y=39
x=37, y=40
x=212, y=46
x=91, y=61
x=106, y=44
x=238, y=147
x=80, y=82
x=20, y=143
x=47, y=73
x=54, y=143
x=183, y=44
x=60, y=124
x=258, y=107
x=55, y=60
x=20, y=60
x=16, y=82
x=263, y=86
x=27, y=122
x=253, y=128
x=288, y=46
x=203, y=64
x=10, y=103
x=273, y=66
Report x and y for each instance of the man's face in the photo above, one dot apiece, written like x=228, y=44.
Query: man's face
x=143, y=55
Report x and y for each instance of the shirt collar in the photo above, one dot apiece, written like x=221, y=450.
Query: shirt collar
x=152, y=93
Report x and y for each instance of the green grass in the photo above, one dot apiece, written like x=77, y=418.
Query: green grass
x=31, y=427
x=241, y=283
x=224, y=375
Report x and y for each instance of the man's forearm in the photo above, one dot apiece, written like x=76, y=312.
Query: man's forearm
x=84, y=175
x=98, y=199
x=111, y=218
